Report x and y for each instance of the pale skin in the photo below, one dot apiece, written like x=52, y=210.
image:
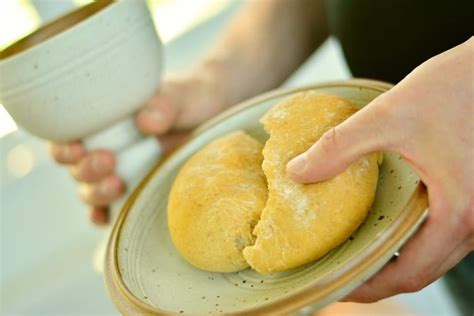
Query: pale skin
x=237, y=67
x=427, y=118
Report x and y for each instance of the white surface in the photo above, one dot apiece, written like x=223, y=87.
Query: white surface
x=46, y=241
x=114, y=55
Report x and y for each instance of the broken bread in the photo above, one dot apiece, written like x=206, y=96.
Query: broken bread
x=216, y=201
x=301, y=223
x=223, y=216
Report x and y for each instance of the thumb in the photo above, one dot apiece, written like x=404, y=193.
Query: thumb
x=160, y=113
x=366, y=131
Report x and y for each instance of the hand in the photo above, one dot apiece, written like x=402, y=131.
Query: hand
x=428, y=119
x=237, y=67
x=181, y=104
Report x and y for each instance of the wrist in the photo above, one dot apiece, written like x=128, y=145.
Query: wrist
x=217, y=76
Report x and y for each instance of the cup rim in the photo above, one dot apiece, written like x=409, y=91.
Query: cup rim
x=54, y=28
x=381, y=249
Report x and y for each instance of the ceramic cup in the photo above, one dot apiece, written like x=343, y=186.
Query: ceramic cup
x=145, y=274
x=83, y=76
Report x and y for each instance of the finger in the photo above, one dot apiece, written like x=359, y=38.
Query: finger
x=366, y=131
x=103, y=192
x=455, y=257
x=424, y=258
x=99, y=215
x=171, y=141
x=67, y=153
x=158, y=116
x=369, y=292
x=94, y=167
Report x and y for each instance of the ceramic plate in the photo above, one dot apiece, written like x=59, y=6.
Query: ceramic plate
x=146, y=275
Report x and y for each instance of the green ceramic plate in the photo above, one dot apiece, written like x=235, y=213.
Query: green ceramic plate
x=145, y=274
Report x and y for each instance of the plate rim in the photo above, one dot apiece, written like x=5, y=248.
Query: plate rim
x=360, y=269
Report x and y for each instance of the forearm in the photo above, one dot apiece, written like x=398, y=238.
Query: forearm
x=264, y=44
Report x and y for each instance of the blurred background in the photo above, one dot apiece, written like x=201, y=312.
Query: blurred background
x=47, y=243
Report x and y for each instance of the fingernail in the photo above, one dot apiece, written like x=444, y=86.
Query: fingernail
x=96, y=164
x=100, y=162
x=110, y=187
x=76, y=150
x=152, y=114
x=66, y=152
x=99, y=216
x=298, y=165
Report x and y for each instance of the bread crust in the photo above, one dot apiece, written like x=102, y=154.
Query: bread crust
x=301, y=223
x=215, y=203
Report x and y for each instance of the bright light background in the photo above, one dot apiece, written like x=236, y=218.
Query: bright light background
x=18, y=18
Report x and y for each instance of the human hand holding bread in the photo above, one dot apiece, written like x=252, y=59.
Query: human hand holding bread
x=233, y=206
x=427, y=118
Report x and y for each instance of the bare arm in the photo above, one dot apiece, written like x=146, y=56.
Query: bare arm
x=265, y=43
x=259, y=49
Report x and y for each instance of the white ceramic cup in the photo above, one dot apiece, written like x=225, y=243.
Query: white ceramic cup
x=83, y=76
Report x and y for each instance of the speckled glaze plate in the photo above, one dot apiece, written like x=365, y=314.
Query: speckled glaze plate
x=145, y=275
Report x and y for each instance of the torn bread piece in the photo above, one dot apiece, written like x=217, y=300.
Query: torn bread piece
x=215, y=203
x=301, y=223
